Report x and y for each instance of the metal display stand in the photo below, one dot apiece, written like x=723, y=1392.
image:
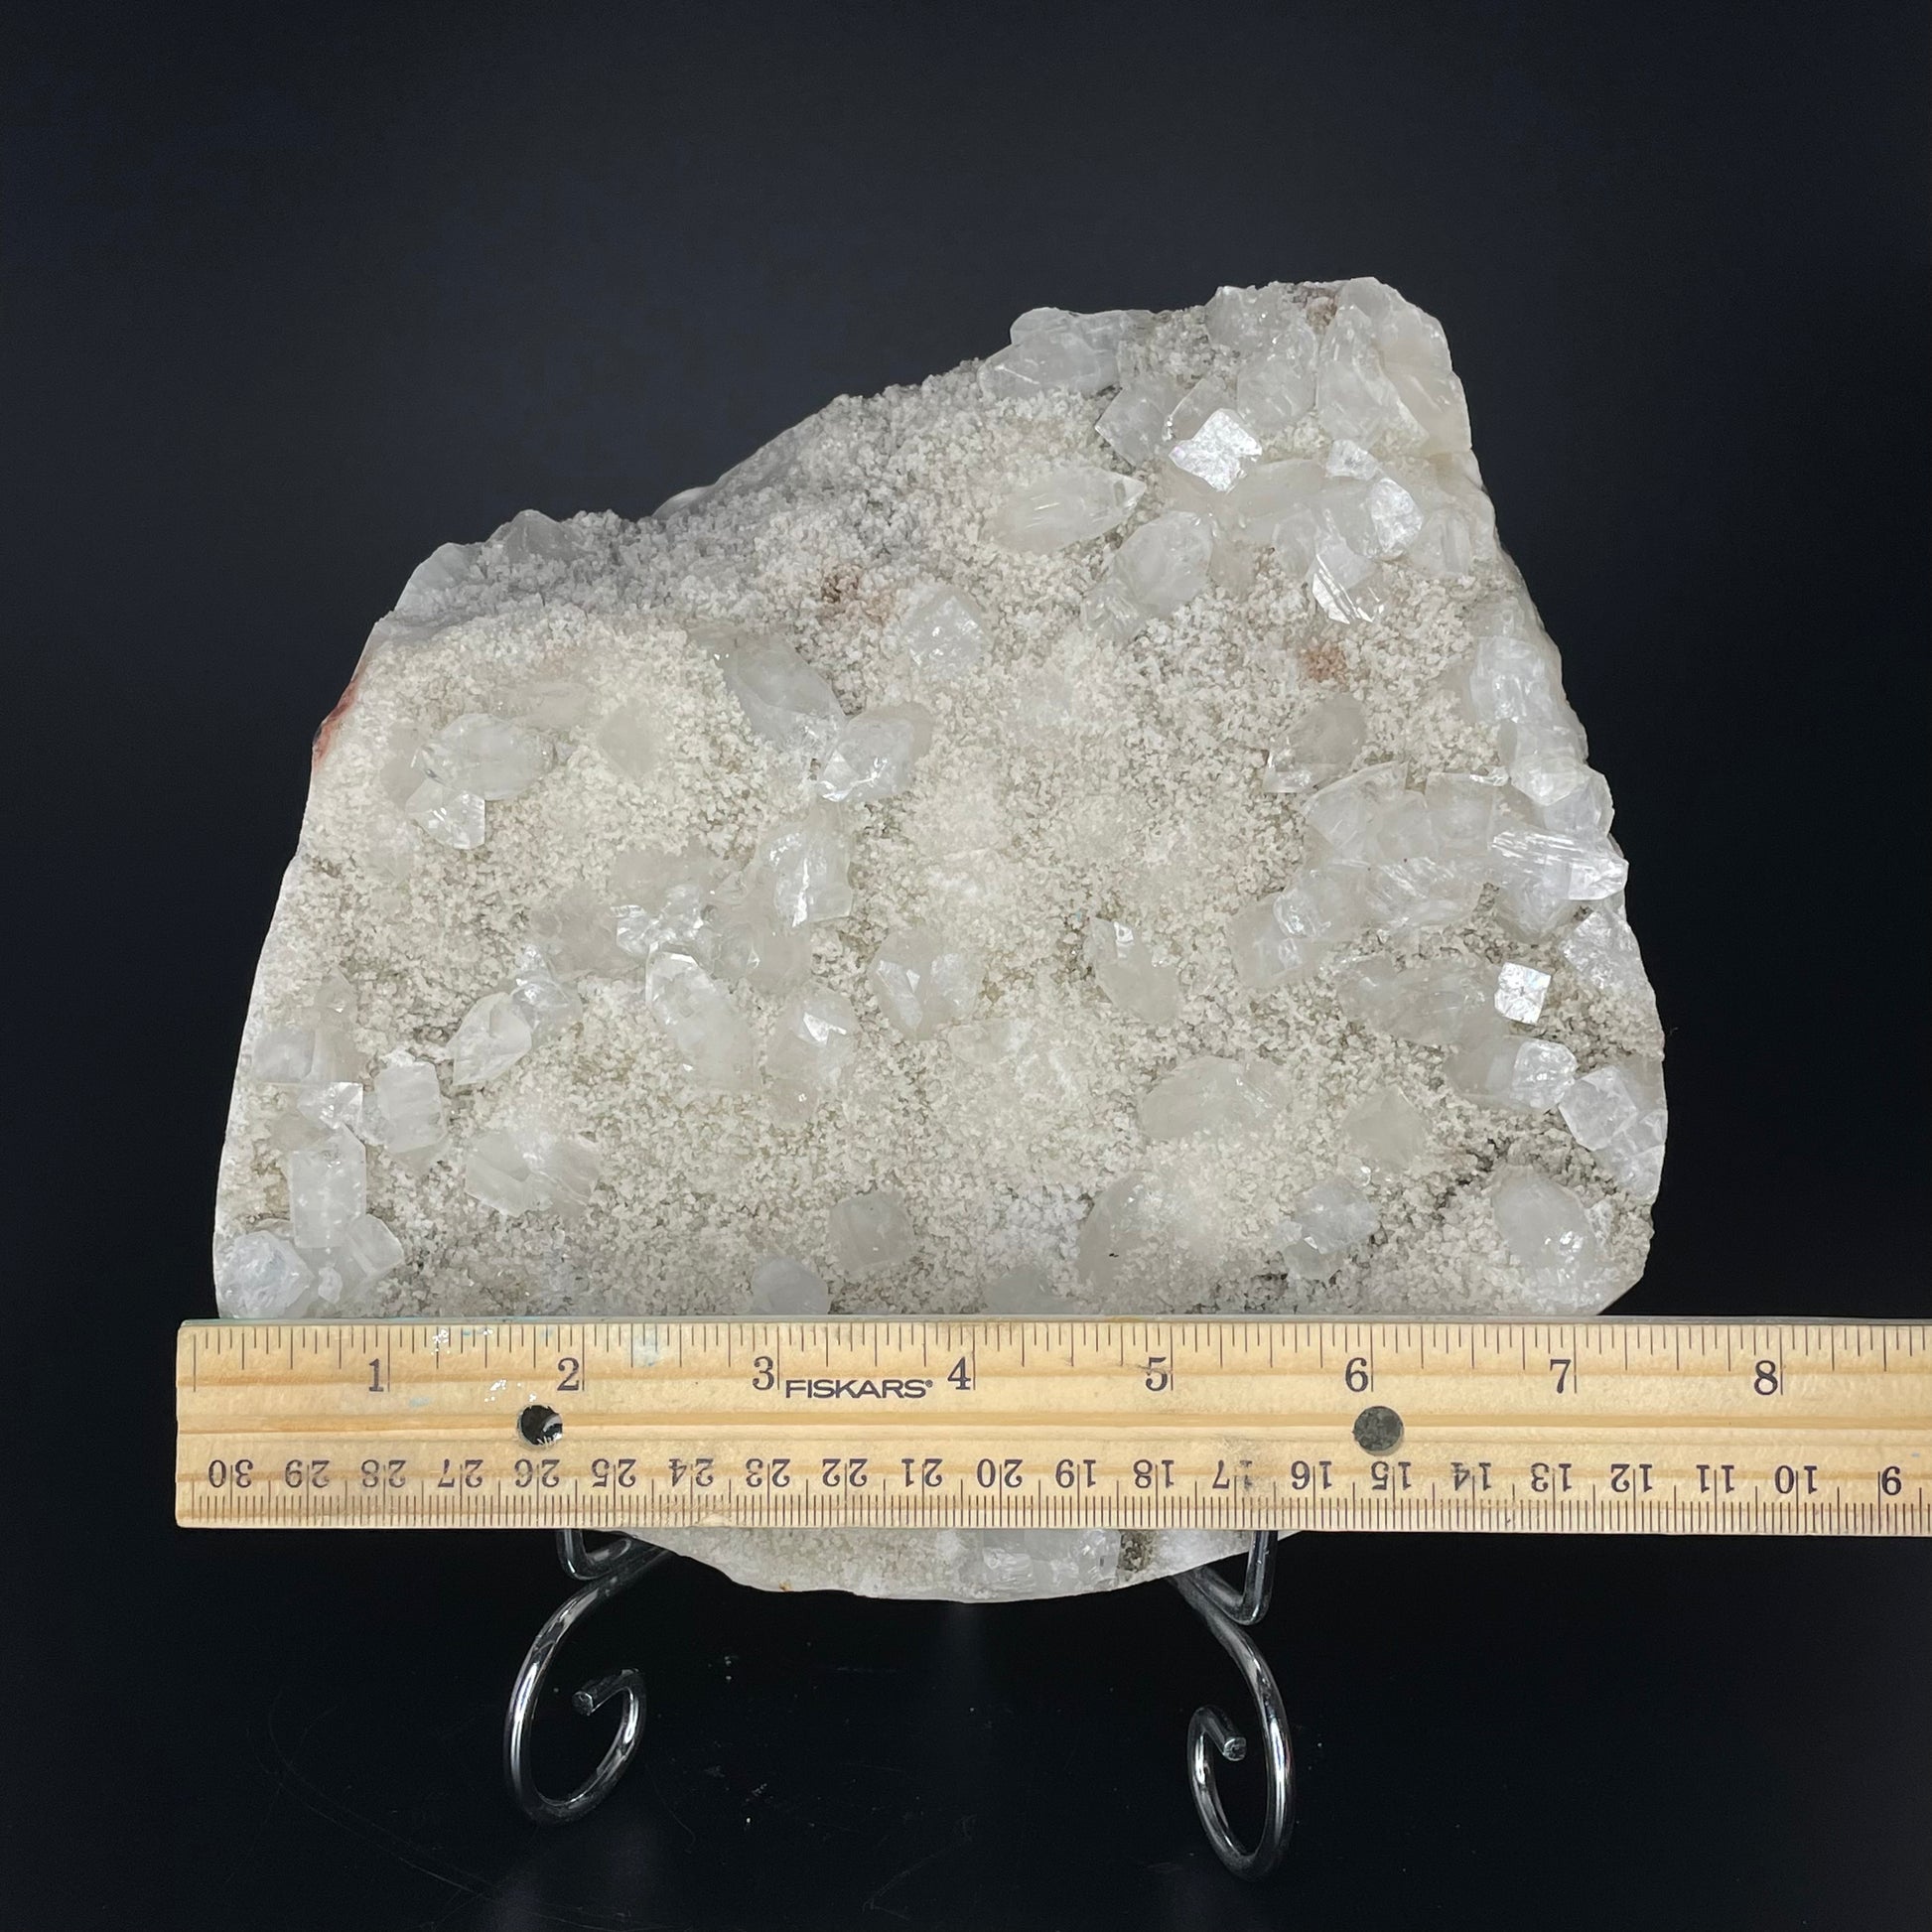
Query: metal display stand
x=1229, y=1613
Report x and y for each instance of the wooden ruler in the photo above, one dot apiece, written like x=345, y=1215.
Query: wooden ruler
x=1794, y=1429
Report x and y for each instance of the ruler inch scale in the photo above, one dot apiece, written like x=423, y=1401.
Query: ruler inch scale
x=1619, y=1425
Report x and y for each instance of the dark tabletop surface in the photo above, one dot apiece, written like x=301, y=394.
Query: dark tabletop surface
x=294, y=296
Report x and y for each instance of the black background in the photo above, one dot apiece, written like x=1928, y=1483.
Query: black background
x=293, y=297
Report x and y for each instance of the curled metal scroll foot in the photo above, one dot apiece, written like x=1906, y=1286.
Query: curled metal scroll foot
x=605, y=1572
x=1227, y=1614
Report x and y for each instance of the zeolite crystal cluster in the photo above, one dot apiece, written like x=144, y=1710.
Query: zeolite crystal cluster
x=1098, y=832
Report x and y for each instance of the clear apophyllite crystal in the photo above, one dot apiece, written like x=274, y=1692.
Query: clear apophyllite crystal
x=1547, y=1232
x=1387, y=1131
x=1136, y=423
x=631, y=741
x=1438, y=1002
x=541, y=1000
x=450, y=817
x=869, y=1233
x=1027, y=1293
x=709, y=1035
x=661, y=899
x=1290, y=934
x=803, y=869
x=1218, y=454
x=1030, y=1563
x=1618, y=1113
x=328, y=1189
x=790, y=1289
x=1052, y=350
x=489, y=757
x=408, y=1117
x=1506, y=1070
x=529, y=1165
x=368, y=1247
x=809, y=1044
x=1212, y=1096
x=1274, y=386
x=873, y=757
x=1333, y=1219
x=261, y=1276
x=785, y=700
x=923, y=984
x=1257, y=321
x=333, y=1104
x=1521, y=991
x=1161, y=567
x=1320, y=746
x=1098, y=832
x=1603, y=952
x=1065, y=506
x=1134, y=971
x=943, y=631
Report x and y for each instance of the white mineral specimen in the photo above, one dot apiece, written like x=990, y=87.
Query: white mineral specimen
x=1098, y=832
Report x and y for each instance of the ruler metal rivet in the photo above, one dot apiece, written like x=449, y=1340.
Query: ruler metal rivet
x=1378, y=1430
x=539, y=1424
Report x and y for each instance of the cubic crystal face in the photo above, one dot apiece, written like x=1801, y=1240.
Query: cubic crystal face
x=1100, y=832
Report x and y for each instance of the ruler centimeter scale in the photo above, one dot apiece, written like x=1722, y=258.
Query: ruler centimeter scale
x=1792, y=1428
